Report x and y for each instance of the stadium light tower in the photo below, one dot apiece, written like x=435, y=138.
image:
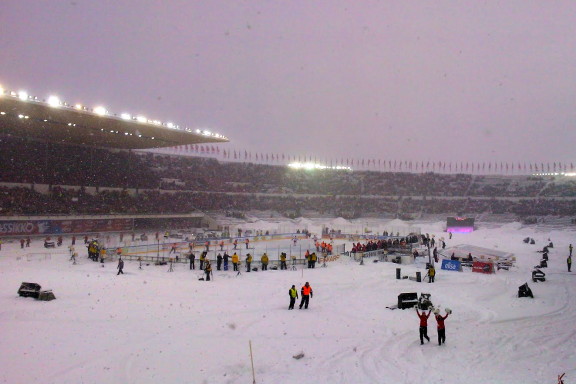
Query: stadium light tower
x=53, y=101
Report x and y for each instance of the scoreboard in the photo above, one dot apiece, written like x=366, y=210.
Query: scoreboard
x=460, y=224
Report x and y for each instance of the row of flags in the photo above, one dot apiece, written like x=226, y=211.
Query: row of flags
x=370, y=164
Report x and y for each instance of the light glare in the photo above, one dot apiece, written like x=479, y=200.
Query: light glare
x=53, y=101
x=100, y=111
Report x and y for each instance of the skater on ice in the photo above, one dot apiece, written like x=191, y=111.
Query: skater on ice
x=120, y=267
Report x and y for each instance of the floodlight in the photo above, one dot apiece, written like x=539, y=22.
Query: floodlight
x=141, y=119
x=78, y=106
x=126, y=116
x=53, y=101
x=1, y=91
x=100, y=111
x=170, y=125
x=23, y=95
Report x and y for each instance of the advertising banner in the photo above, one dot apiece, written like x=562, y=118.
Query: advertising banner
x=451, y=265
x=482, y=267
x=50, y=227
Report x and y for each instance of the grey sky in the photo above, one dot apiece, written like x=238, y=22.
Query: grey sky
x=406, y=80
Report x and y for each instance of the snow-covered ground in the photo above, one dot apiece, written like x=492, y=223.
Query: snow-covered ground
x=152, y=326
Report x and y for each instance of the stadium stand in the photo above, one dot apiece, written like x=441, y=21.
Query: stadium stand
x=41, y=178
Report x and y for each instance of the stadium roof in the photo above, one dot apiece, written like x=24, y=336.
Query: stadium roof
x=24, y=116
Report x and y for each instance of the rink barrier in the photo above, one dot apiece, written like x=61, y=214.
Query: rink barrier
x=182, y=259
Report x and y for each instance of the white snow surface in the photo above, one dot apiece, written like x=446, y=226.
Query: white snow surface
x=152, y=326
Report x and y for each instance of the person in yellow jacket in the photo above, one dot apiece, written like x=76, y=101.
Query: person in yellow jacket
x=235, y=261
x=102, y=255
x=283, y=261
x=313, y=259
x=264, y=260
x=248, y=261
x=202, y=259
x=431, y=274
x=208, y=270
x=293, y=293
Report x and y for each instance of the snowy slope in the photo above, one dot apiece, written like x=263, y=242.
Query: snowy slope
x=152, y=326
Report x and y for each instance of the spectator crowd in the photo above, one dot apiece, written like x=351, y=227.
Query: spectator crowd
x=126, y=182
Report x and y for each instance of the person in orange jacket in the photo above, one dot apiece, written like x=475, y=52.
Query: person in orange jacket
x=306, y=293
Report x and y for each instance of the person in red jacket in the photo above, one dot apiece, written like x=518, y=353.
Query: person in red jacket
x=441, y=328
x=423, y=325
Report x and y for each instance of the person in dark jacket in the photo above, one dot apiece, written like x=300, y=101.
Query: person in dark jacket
x=192, y=257
x=248, y=262
x=423, y=325
x=120, y=267
x=218, y=262
x=225, y=259
x=441, y=328
x=293, y=293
